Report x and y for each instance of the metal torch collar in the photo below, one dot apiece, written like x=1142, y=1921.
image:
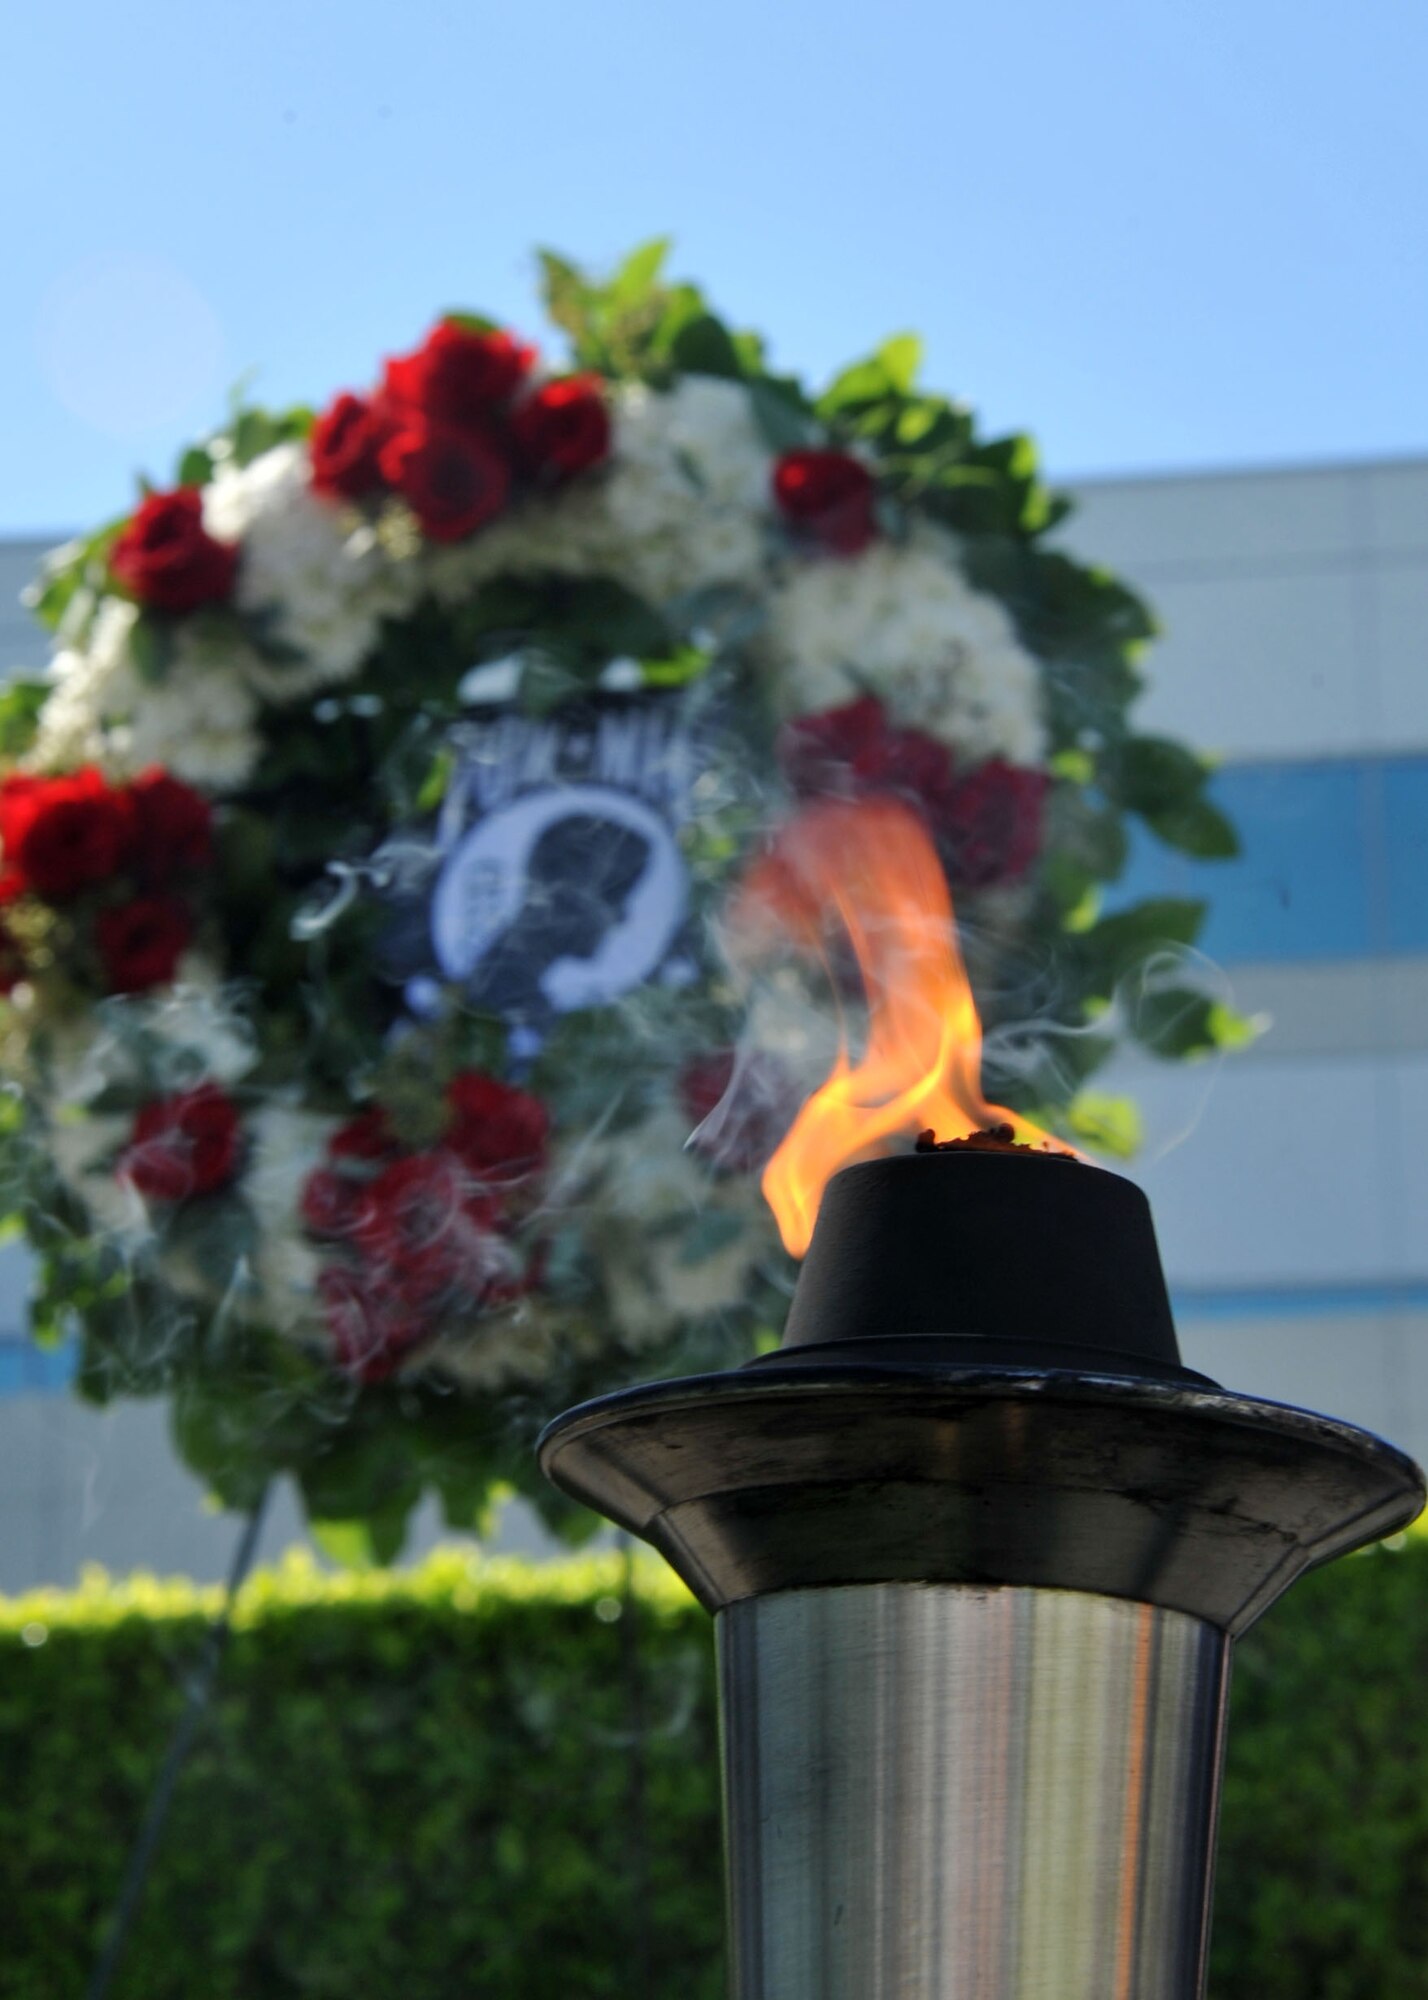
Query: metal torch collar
x=786, y=1478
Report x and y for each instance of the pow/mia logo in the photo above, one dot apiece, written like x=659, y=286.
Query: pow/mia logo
x=552, y=879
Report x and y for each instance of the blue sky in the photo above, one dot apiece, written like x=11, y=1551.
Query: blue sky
x=1160, y=236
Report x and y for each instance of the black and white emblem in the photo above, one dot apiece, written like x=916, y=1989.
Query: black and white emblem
x=552, y=878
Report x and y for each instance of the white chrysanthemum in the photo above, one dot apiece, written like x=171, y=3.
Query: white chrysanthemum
x=200, y=727
x=904, y=620
x=682, y=504
x=82, y=1152
x=284, y=1146
x=315, y=572
x=518, y=1344
x=173, y=1040
x=197, y=722
x=649, y=1187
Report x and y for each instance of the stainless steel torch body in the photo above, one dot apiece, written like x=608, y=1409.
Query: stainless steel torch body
x=944, y=1792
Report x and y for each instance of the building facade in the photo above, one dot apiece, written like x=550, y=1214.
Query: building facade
x=1290, y=1181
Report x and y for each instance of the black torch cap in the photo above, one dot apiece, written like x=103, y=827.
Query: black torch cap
x=1014, y=1258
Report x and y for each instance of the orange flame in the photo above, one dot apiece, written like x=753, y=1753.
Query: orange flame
x=869, y=868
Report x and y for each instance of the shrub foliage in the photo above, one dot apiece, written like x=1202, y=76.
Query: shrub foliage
x=428, y=1784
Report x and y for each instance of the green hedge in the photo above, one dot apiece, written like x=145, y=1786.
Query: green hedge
x=423, y=1785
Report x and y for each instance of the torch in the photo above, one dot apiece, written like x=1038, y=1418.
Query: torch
x=978, y=1546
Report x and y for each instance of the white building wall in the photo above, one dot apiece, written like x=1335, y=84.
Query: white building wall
x=1294, y=1213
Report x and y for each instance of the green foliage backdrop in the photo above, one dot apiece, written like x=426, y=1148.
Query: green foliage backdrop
x=422, y=1785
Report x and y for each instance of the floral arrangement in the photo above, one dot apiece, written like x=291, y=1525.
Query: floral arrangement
x=378, y=1083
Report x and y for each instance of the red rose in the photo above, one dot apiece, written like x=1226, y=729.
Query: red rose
x=458, y=376
x=991, y=829
x=562, y=427
x=183, y=1146
x=849, y=751
x=756, y=1102
x=173, y=826
x=140, y=943
x=166, y=558
x=817, y=753
x=915, y=765
x=61, y=835
x=828, y=496
x=372, y=1330
x=368, y=1136
x=330, y=1203
x=453, y=481
x=500, y=1133
x=345, y=447
x=427, y=1232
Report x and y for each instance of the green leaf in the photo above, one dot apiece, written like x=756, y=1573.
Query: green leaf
x=1196, y=827
x=781, y=415
x=1150, y=774
x=637, y=277
x=195, y=466
x=901, y=358
x=20, y=705
x=68, y=570
x=1231, y=1029
x=470, y=322
x=1110, y=1125
x=702, y=346
x=1118, y=944
x=152, y=644
x=349, y=1543
x=1177, y=1022
x=1083, y=833
x=863, y=383
x=678, y=670
x=564, y=293
x=437, y=782
x=1078, y=767
x=255, y=431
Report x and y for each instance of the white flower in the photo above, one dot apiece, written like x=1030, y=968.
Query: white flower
x=650, y=1187
x=197, y=722
x=682, y=504
x=904, y=622
x=82, y=1152
x=199, y=727
x=520, y=1343
x=176, y=1039
x=315, y=572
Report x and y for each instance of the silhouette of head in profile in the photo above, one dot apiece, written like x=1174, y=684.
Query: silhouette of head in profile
x=580, y=875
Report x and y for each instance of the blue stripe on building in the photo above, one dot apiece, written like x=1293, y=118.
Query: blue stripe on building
x=1334, y=863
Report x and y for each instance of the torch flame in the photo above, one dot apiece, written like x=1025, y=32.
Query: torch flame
x=870, y=865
